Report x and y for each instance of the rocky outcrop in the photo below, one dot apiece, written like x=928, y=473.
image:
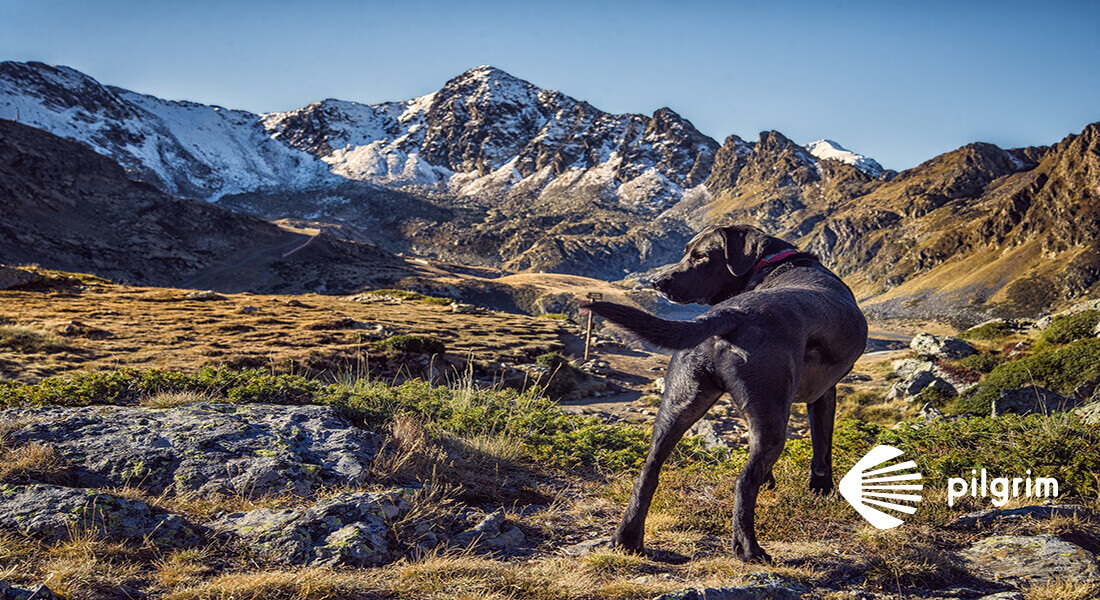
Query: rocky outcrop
x=68, y=208
x=763, y=586
x=926, y=344
x=1035, y=559
x=1030, y=399
x=54, y=512
x=347, y=529
x=247, y=449
x=986, y=518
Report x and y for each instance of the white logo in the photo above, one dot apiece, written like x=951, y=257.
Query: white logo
x=861, y=487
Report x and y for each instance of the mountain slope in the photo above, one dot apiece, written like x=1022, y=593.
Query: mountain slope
x=69, y=208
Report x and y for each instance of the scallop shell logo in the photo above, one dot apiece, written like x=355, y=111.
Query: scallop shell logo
x=862, y=487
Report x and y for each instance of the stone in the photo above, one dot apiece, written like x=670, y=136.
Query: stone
x=37, y=592
x=491, y=533
x=927, y=344
x=54, y=512
x=1030, y=560
x=907, y=367
x=1030, y=399
x=930, y=413
x=985, y=518
x=11, y=277
x=588, y=546
x=460, y=308
x=763, y=586
x=659, y=385
x=247, y=309
x=910, y=388
x=707, y=434
x=1085, y=390
x=247, y=449
x=347, y=529
x=203, y=295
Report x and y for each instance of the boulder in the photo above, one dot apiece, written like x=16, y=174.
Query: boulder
x=55, y=512
x=349, y=529
x=940, y=346
x=911, y=387
x=248, y=449
x=37, y=592
x=985, y=518
x=203, y=295
x=907, y=367
x=492, y=532
x=707, y=434
x=1030, y=560
x=11, y=277
x=1030, y=399
x=763, y=586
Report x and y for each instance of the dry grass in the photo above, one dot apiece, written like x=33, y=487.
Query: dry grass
x=31, y=340
x=1063, y=590
x=159, y=328
x=86, y=564
x=174, y=399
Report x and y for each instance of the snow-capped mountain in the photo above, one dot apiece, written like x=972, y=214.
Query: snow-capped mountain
x=485, y=133
x=828, y=149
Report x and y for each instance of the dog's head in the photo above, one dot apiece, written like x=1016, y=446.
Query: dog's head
x=717, y=264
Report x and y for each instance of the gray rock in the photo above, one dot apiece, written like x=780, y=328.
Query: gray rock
x=54, y=512
x=490, y=532
x=203, y=295
x=37, y=592
x=587, y=546
x=1034, y=559
x=907, y=367
x=930, y=413
x=911, y=387
x=350, y=528
x=927, y=344
x=659, y=385
x=984, y=518
x=249, y=449
x=1030, y=399
x=11, y=277
x=704, y=430
x=765, y=586
x=460, y=308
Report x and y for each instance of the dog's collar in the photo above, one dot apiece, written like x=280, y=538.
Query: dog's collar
x=774, y=258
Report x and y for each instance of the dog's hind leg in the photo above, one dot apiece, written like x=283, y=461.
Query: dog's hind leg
x=685, y=401
x=822, y=414
x=766, y=439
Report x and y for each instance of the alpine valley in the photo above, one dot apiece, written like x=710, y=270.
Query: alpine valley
x=491, y=171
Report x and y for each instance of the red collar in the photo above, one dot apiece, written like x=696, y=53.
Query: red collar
x=768, y=260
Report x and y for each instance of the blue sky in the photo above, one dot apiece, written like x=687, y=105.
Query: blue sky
x=898, y=81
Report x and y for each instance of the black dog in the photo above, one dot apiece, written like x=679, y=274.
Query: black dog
x=783, y=329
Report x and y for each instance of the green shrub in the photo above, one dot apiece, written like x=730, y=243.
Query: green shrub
x=1070, y=328
x=988, y=331
x=1058, y=369
x=552, y=360
x=982, y=362
x=419, y=344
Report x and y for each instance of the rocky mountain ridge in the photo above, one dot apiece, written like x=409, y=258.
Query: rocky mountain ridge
x=492, y=170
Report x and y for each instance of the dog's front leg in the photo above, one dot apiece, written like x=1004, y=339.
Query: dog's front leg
x=822, y=413
x=685, y=402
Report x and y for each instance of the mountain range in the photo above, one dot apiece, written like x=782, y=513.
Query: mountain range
x=492, y=170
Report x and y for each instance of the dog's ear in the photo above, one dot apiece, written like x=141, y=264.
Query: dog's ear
x=744, y=248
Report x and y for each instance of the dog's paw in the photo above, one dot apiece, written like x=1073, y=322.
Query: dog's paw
x=821, y=484
x=750, y=552
x=630, y=544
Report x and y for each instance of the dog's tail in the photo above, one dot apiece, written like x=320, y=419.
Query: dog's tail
x=673, y=335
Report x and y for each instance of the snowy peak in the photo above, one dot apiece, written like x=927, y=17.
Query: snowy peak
x=830, y=150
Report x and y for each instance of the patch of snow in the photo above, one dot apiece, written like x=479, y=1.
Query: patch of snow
x=830, y=150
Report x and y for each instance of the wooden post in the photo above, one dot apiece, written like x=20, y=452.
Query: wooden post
x=594, y=296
